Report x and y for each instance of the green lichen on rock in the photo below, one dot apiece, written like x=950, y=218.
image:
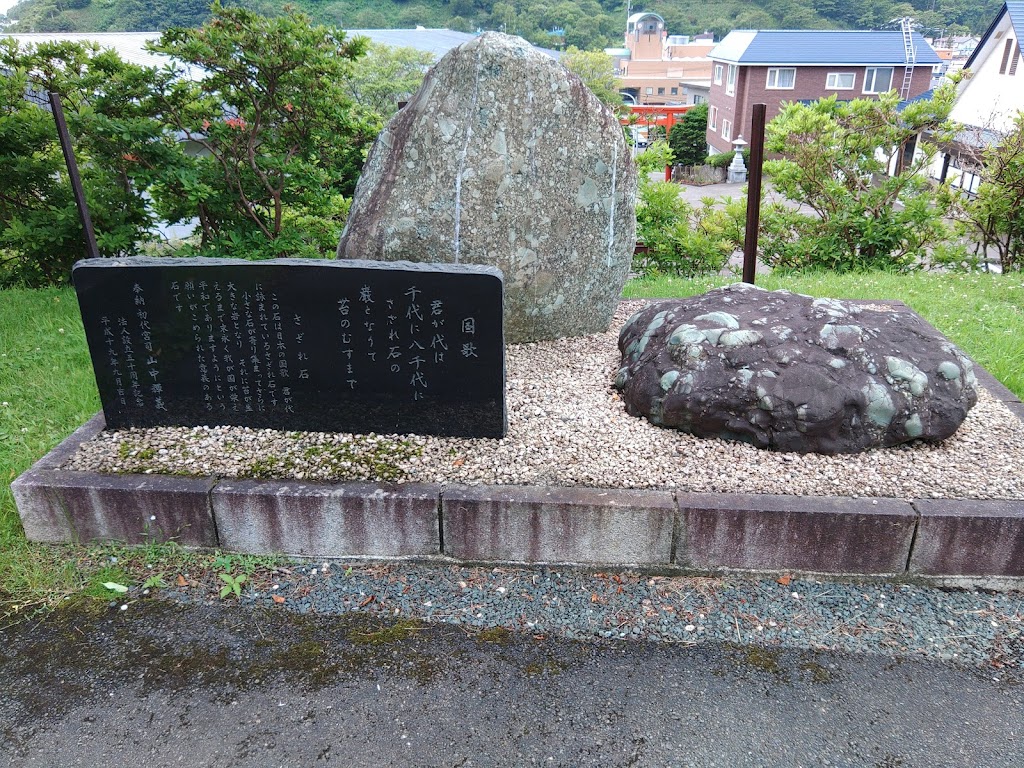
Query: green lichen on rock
x=723, y=319
x=668, y=379
x=880, y=408
x=904, y=371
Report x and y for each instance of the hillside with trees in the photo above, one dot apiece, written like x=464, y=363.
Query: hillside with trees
x=585, y=24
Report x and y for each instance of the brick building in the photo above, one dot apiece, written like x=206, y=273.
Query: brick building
x=772, y=67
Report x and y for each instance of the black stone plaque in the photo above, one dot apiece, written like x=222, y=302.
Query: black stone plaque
x=294, y=344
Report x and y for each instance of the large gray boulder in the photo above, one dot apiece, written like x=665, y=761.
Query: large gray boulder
x=505, y=158
x=792, y=373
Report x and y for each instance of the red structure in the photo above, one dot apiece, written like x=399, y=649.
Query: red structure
x=655, y=114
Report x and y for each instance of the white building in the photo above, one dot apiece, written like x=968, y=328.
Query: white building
x=988, y=101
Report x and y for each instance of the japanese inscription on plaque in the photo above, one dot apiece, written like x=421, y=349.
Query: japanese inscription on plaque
x=347, y=346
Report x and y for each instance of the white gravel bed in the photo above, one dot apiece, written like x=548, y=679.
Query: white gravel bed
x=567, y=426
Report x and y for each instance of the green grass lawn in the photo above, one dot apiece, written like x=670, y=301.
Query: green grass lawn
x=47, y=390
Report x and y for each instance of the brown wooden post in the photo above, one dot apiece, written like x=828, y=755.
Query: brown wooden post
x=76, y=180
x=754, y=193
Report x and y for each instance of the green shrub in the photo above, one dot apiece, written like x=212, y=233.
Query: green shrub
x=654, y=158
x=682, y=239
x=723, y=159
x=834, y=158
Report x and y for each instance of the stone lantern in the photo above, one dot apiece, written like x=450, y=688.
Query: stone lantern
x=737, y=170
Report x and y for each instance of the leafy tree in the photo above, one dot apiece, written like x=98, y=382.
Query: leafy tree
x=283, y=141
x=834, y=160
x=688, y=137
x=597, y=71
x=993, y=218
x=386, y=75
x=119, y=150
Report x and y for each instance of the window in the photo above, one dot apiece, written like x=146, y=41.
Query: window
x=781, y=78
x=718, y=74
x=877, y=79
x=730, y=80
x=840, y=81
x=648, y=91
x=1016, y=58
x=698, y=99
x=727, y=130
x=675, y=91
x=712, y=117
x=661, y=91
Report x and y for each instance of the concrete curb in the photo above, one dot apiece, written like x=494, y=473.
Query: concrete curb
x=975, y=542
x=801, y=533
x=523, y=524
x=343, y=520
x=971, y=541
x=61, y=506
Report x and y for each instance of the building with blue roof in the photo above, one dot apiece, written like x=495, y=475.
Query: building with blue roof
x=777, y=66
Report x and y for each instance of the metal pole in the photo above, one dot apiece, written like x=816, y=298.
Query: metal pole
x=76, y=180
x=754, y=193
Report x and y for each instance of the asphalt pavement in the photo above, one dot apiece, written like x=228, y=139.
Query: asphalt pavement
x=217, y=683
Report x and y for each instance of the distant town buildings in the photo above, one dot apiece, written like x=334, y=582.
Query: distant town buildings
x=658, y=68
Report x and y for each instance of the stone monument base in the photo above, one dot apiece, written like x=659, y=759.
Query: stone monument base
x=976, y=542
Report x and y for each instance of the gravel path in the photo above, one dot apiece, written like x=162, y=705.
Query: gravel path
x=567, y=426
x=972, y=628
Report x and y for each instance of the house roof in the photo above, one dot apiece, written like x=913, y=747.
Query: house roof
x=435, y=41
x=920, y=97
x=637, y=16
x=130, y=46
x=820, y=47
x=1015, y=10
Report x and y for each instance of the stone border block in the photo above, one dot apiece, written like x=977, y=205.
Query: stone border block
x=66, y=448
x=995, y=387
x=959, y=537
x=801, y=533
x=328, y=520
x=558, y=525
x=42, y=515
x=61, y=506
x=1017, y=409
